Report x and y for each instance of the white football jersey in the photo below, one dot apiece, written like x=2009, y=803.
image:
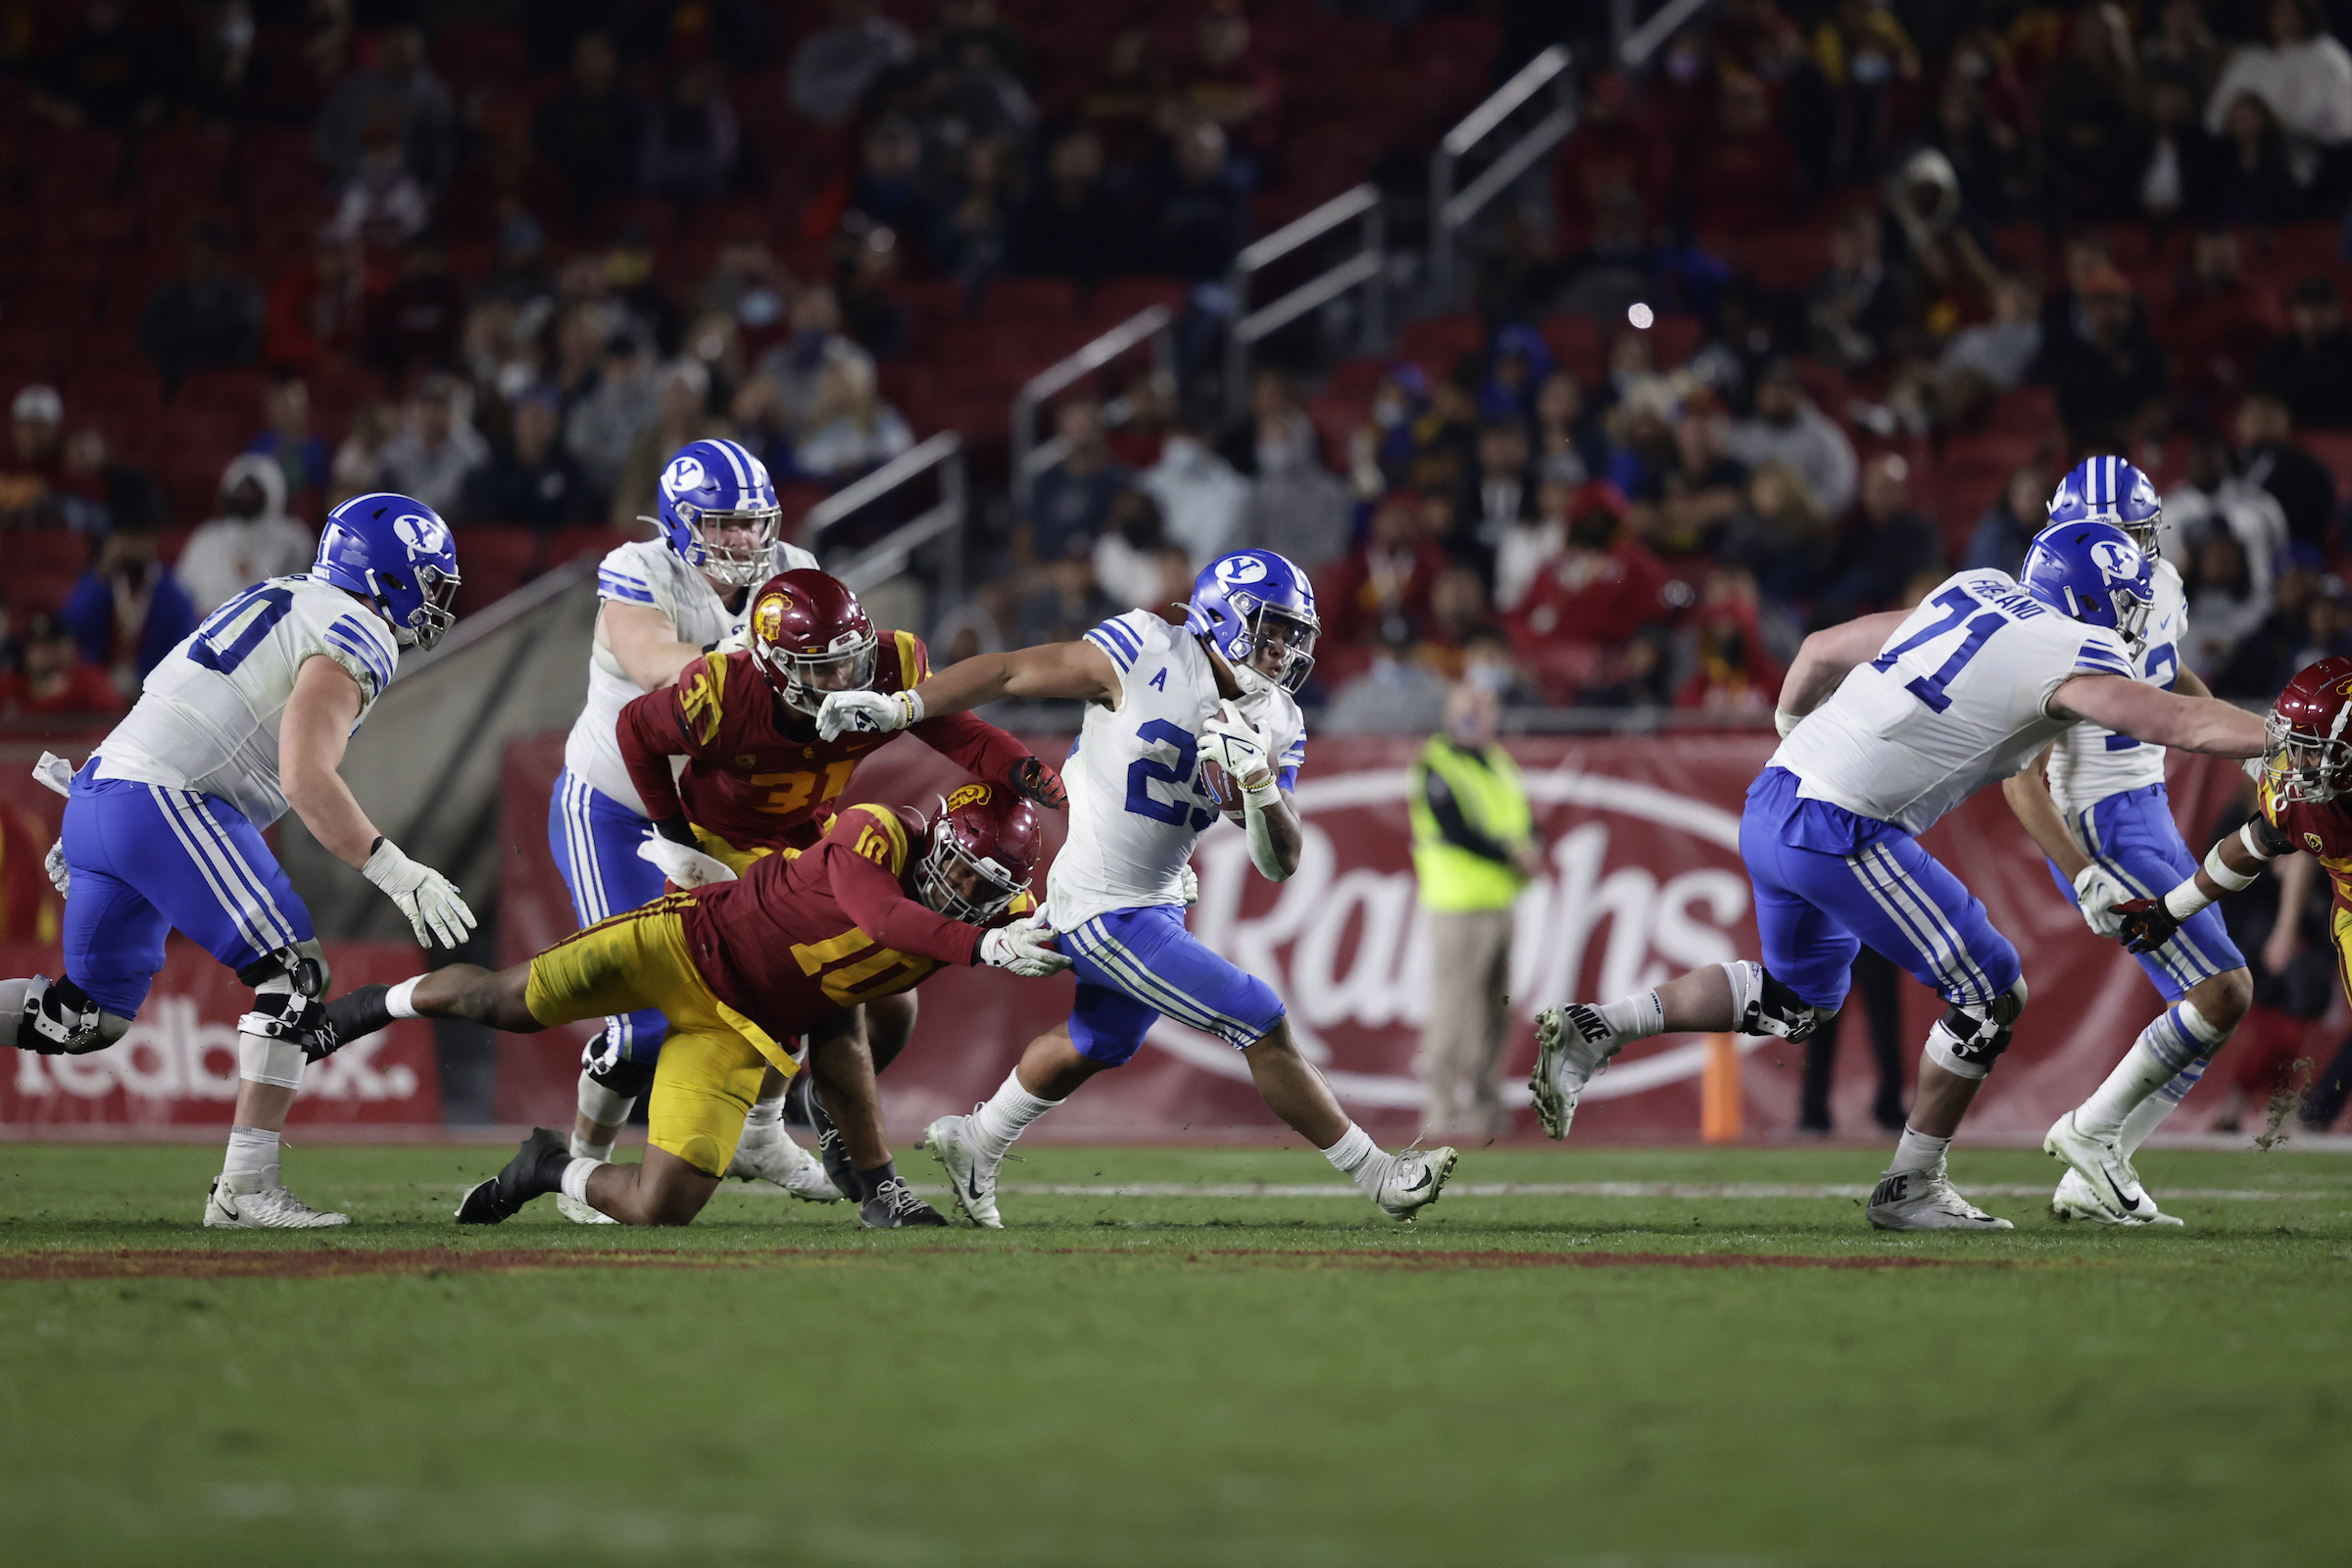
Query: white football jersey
x=1136, y=806
x=207, y=718
x=2092, y=764
x=1958, y=698
x=647, y=571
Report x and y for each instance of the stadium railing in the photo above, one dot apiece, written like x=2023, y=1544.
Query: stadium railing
x=1450, y=211
x=888, y=557
x=1031, y=457
x=1366, y=268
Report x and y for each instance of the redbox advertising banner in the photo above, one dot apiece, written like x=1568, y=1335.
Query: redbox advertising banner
x=1642, y=880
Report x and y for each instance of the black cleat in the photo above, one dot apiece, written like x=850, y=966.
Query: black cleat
x=893, y=1207
x=536, y=1170
x=358, y=1013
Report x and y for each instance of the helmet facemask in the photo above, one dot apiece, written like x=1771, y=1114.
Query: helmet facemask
x=738, y=566
x=2130, y=617
x=2305, y=768
x=961, y=885
x=1274, y=634
x=432, y=617
x=804, y=681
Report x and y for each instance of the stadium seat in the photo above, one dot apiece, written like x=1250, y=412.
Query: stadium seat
x=2335, y=449
x=494, y=559
x=1438, y=342
x=49, y=551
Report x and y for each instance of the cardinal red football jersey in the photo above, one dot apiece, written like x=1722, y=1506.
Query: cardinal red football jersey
x=2324, y=832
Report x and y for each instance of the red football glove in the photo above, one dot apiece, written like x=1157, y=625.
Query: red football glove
x=1032, y=778
x=2146, y=924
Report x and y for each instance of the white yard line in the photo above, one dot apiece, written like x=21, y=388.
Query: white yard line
x=1696, y=1191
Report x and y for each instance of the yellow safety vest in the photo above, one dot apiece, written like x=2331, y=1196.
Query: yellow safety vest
x=1487, y=787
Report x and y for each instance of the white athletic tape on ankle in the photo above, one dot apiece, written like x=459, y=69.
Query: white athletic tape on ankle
x=400, y=1001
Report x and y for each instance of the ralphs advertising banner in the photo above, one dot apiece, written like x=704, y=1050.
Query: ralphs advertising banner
x=1642, y=880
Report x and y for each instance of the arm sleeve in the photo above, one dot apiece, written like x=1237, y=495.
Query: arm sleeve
x=650, y=734
x=870, y=893
x=1453, y=825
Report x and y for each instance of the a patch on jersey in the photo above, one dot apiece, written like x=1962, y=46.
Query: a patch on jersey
x=1160, y=681
x=2311, y=841
x=425, y=536
x=965, y=794
x=702, y=693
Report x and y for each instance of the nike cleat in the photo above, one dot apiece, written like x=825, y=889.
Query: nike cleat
x=358, y=1013
x=257, y=1200
x=1414, y=1181
x=1926, y=1200
x=2075, y=1200
x=768, y=1155
x=832, y=1150
x=971, y=1174
x=2100, y=1163
x=536, y=1170
x=893, y=1207
x=1571, y=1044
x=579, y=1213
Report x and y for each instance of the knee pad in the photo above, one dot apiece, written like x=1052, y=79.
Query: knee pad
x=1765, y=1006
x=284, y=1030
x=1969, y=1038
x=58, y=1019
x=608, y=1070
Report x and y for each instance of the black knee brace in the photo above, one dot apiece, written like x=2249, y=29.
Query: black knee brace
x=632, y=1080
x=291, y=1015
x=1977, y=1034
x=60, y=1019
x=1778, y=1010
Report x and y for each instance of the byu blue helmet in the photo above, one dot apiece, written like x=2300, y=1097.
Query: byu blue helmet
x=395, y=551
x=2095, y=574
x=2108, y=489
x=711, y=490
x=1259, y=611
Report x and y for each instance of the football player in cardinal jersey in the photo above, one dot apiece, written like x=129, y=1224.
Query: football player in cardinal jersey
x=759, y=780
x=164, y=824
x=663, y=604
x=738, y=970
x=1161, y=700
x=2103, y=820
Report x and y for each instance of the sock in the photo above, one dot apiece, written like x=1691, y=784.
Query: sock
x=1638, y=1017
x=2168, y=1045
x=575, y=1177
x=399, y=1003
x=2149, y=1113
x=582, y=1149
x=1916, y=1150
x=1006, y=1112
x=1358, y=1159
x=252, y=1150
x=767, y=1116
x=869, y=1182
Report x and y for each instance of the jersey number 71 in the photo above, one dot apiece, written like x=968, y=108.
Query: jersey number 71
x=1929, y=689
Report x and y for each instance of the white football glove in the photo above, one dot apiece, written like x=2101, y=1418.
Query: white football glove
x=1022, y=947
x=54, y=862
x=2098, y=893
x=735, y=641
x=1243, y=751
x=1188, y=883
x=867, y=714
x=1784, y=722
x=435, y=908
x=54, y=773
x=684, y=865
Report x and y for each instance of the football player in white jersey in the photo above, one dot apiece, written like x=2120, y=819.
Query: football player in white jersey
x=163, y=826
x=2105, y=822
x=1889, y=721
x=1161, y=701
x=663, y=603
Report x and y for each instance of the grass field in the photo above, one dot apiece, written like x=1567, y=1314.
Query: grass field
x=1656, y=1370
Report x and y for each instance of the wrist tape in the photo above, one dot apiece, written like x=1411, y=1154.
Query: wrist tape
x=2186, y=901
x=2224, y=878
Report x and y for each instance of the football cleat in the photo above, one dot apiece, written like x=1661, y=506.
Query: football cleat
x=1571, y=1044
x=1926, y=1200
x=536, y=1169
x=1414, y=1180
x=358, y=1013
x=579, y=1213
x=768, y=1155
x=2076, y=1200
x=893, y=1207
x=971, y=1174
x=257, y=1200
x=2101, y=1162
x=831, y=1148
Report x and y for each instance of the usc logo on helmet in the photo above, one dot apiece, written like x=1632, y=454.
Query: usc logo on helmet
x=768, y=619
x=968, y=795
x=2343, y=688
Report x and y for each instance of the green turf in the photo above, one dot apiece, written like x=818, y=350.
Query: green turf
x=1184, y=1380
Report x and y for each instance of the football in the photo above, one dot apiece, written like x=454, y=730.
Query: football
x=1219, y=786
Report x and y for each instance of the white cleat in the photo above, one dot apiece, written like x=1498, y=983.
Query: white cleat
x=2103, y=1165
x=769, y=1155
x=1414, y=1181
x=971, y=1174
x=2075, y=1199
x=579, y=1213
x=1926, y=1200
x=1571, y=1044
x=256, y=1201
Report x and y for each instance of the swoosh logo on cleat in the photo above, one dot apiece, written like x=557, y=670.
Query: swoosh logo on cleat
x=1423, y=1182
x=2131, y=1205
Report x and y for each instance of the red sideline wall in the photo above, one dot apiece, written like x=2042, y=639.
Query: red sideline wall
x=1644, y=880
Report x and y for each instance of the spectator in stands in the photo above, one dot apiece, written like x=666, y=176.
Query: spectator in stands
x=2212, y=498
x=816, y=341
x=1458, y=617
x=1609, y=155
x=318, y=312
x=2110, y=378
x=1614, y=271
x=692, y=140
x=530, y=481
x=2310, y=369
x=2257, y=184
x=969, y=94
x=383, y=204
x=1701, y=488
x=834, y=66
x=398, y=91
x=2089, y=102
x=1225, y=85
x=1999, y=539
x=302, y=458
x=437, y=448
x=1856, y=307
x=1732, y=667
x=415, y=328
x=851, y=430
x=1993, y=154
x=601, y=426
x=889, y=187
x=2214, y=323
x=518, y=274
x=746, y=282
x=1127, y=556
x=2183, y=41
x=52, y=678
x=865, y=262
x=2263, y=659
x=1517, y=368
x=1294, y=506
x=1886, y=544
x=2227, y=601
x=1978, y=364
x=1379, y=450
x=1119, y=106
x=1504, y=496
x=593, y=131
x=208, y=318
x=1562, y=431
x=970, y=22
x=1742, y=173
x=1530, y=544
x=972, y=237
x=1072, y=227
x=1199, y=219
x=108, y=75
x=38, y=453
x=94, y=494
x=1868, y=60
x=1380, y=590
x=1783, y=539
x=757, y=410
x=2177, y=165
x=1072, y=601
x=251, y=539
x=1788, y=428
x=1274, y=421
x=359, y=466
x=681, y=413
x=2303, y=79
x=2268, y=456
x=1383, y=688
x=1582, y=623
x=1199, y=493
x=128, y=610
x=1071, y=500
